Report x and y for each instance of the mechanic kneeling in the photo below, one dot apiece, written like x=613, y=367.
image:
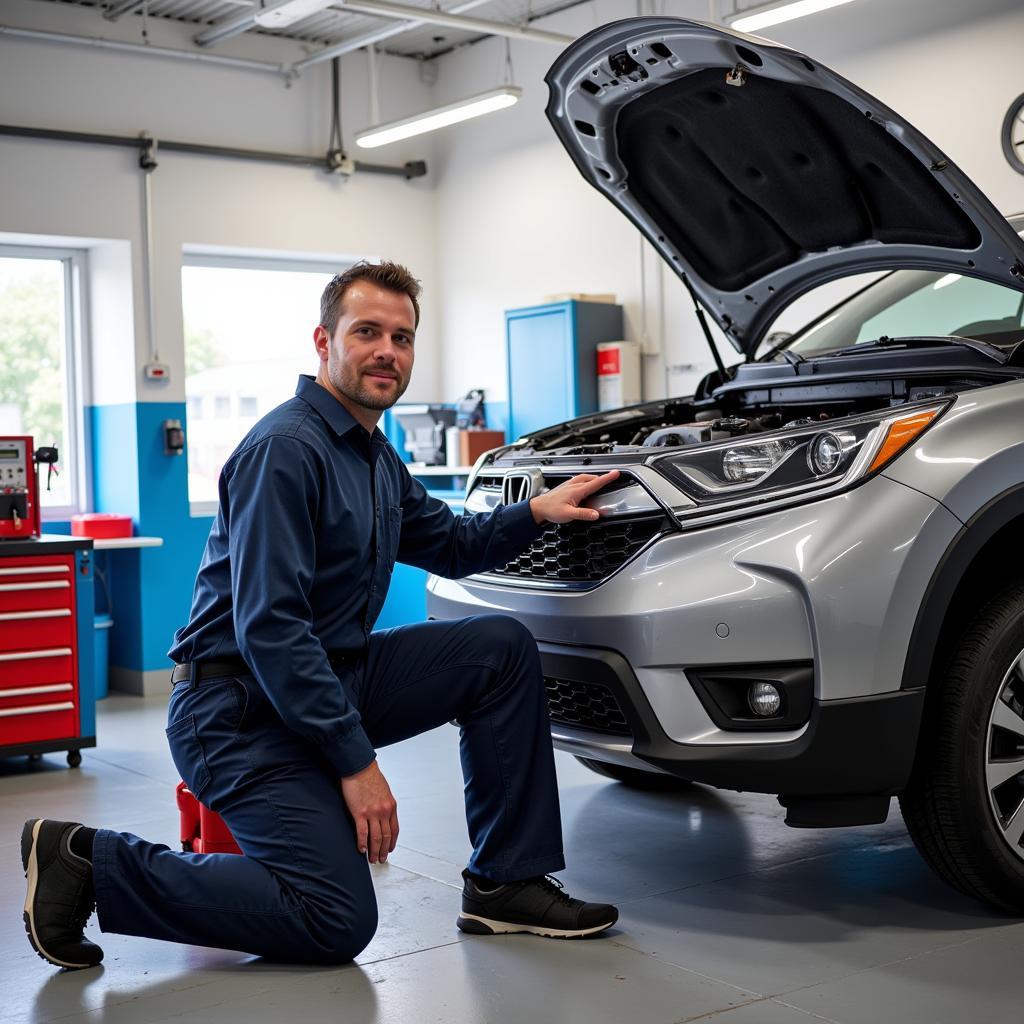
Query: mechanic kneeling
x=282, y=691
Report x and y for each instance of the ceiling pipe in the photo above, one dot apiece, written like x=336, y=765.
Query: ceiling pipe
x=235, y=26
x=243, y=22
x=385, y=9
x=378, y=35
x=140, y=50
x=125, y=7
x=412, y=169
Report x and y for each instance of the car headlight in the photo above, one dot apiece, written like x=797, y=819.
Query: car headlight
x=782, y=466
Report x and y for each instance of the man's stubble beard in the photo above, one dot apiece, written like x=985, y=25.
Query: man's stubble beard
x=347, y=382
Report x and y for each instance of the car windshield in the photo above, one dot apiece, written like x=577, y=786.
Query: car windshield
x=918, y=303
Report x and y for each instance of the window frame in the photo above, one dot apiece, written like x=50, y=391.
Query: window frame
x=77, y=467
x=217, y=258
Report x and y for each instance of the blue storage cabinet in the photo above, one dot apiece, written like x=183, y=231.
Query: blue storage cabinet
x=552, y=361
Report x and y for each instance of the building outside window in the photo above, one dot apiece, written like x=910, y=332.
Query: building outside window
x=42, y=365
x=248, y=335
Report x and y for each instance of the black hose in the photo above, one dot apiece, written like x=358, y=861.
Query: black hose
x=336, y=145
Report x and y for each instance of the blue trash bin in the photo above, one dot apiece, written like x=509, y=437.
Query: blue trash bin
x=101, y=624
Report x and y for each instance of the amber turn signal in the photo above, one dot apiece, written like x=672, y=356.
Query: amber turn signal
x=901, y=433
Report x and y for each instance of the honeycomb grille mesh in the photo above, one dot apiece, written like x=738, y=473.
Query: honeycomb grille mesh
x=585, y=705
x=582, y=552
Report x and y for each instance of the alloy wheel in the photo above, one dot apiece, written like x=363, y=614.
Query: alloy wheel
x=1004, y=757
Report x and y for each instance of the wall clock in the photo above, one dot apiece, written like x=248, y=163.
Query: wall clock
x=1013, y=135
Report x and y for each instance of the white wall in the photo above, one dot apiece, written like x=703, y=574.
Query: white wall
x=516, y=221
x=73, y=190
x=502, y=220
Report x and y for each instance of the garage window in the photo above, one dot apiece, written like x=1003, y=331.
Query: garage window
x=248, y=335
x=42, y=364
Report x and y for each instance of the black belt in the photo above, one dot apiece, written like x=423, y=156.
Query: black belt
x=197, y=671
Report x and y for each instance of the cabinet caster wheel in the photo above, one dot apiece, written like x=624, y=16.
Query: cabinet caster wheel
x=34, y=758
x=74, y=758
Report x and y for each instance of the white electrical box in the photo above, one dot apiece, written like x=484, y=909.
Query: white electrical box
x=618, y=374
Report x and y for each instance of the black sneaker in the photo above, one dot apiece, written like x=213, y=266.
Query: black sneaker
x=540, y=906
x=60, y=896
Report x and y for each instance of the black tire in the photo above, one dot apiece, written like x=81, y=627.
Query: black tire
x=635, y=777
x=946, y=805
x=74, y=758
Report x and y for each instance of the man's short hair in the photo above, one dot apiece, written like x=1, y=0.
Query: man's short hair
x=392, y=276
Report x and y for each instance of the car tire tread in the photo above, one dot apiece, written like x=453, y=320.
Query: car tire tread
x=942, y=795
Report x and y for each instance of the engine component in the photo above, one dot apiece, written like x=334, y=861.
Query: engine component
x=731, y=425
x=684, y=434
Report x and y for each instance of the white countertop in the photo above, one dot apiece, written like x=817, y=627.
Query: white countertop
x=109, y=543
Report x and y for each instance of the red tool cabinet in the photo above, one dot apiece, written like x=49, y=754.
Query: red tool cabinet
x=46, y=689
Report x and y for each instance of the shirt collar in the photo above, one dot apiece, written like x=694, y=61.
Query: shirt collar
x=337, y=417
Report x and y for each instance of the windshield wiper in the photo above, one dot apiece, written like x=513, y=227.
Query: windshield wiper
x=925, y=341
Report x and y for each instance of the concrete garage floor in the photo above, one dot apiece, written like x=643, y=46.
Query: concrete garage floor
x=726, y=914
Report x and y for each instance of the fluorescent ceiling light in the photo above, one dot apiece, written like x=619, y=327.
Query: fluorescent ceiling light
x=288, y=13
x=785, y=10
x=440, y=117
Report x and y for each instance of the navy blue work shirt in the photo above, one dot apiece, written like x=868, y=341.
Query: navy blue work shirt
x=314, y=512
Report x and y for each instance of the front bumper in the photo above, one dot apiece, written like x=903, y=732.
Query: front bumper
x=861, y=745
x=836, y=584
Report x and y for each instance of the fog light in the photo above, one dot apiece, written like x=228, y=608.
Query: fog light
x=764, y=699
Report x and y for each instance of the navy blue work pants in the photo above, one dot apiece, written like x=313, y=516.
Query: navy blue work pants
x=302, y=892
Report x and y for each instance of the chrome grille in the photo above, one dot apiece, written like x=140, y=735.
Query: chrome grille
x=585, y=705
x=582, y=552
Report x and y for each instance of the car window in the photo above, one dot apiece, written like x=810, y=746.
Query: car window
x=918, y=303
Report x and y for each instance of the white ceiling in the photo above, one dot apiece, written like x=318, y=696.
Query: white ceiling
x=329, y=27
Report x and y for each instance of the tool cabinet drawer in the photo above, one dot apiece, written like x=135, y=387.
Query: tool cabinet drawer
x=17, y=695
x=29, y=668
x=48, y=562
x=36, y=583
x=21, y=570
x=32, y=595
x=30, y=723
x=48, y=627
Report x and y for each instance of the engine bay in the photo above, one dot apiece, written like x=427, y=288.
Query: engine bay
x=733, y=413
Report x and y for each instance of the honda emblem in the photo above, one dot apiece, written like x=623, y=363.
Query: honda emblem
x=520, y=485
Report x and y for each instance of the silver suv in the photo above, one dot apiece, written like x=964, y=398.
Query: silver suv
x=808, y=578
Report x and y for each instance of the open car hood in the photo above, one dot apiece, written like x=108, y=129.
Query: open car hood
x=758, y=174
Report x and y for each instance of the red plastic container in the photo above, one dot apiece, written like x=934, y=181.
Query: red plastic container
x=202, y=831
x=100, y=525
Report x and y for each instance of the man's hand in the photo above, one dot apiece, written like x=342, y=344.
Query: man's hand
x=374, y=811
x=562, y=503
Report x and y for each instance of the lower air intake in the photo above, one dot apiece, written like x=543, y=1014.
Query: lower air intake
x=586, y=706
